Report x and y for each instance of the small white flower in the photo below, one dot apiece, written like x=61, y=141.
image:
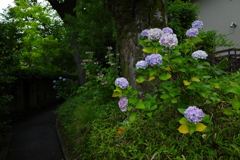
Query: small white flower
x=199, y=54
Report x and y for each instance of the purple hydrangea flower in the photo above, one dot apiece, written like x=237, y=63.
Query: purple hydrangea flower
x=167, y=30
x=169, y=40
x=197, y=24
x=144, y=33
x=154, y=34
x=141, y=64
x=199, y=54
x=121, y=82
x=123, y=104
x=154, y=59
x=194, y=114
x=192, y=32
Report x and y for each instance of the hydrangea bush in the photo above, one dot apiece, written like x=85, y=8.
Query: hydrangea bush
x=181, y=79
x=100, y=74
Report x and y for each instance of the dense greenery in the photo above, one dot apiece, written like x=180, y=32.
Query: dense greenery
x=179, y=15
x=35, y=42
x=153, y=126
x=95, y=130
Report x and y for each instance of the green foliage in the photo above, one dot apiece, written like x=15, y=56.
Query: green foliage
x=211, y=39
x=92, y=131
x=43, y=44
x=9, y=62
x=78, y=115
x=180, y=16
x=66, y=87
x=100, y=74
x=94, y=27
x=96, y=129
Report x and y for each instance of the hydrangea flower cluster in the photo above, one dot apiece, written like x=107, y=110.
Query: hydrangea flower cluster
x=167, y=30
x=155, y=34
x=88, y=52
x=123, y=104
x=87, y=60
x=109, y=48
x=194, y=114
x=192, y=32
x=144, y=33
x=197, y=24
x=141, y=64
x=169, y=40
x=121, y=82
x=154, y=59
x=199, y=54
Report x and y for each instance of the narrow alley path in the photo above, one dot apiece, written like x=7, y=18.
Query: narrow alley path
x=34, y=137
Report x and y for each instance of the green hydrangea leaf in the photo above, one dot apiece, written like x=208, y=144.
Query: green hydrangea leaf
x=140, y=79
x=181, y=110
x=235, y=104
x=149, y=114
x=132, y=117
x=227, y=111
x=165, y=76
x=183, y=120
x=140, y=105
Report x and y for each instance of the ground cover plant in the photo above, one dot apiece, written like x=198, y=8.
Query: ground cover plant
x=192, y=111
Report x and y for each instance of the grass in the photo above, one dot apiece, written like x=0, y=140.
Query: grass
x=93, y=127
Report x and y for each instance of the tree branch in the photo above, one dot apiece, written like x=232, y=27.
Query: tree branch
x=67, y=7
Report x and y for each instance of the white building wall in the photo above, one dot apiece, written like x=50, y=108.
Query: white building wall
x=218, y=15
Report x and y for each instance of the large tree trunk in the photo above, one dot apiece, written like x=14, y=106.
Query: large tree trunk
x=78, y=60
x=133, y=16
x=63, y=9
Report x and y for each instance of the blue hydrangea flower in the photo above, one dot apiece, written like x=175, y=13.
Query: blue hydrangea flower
x=154, y=59
x=199, y=54
x=144, y=33
x=64, y=79
x=121, y=82
x=60, y=77
x=192, y=32
x=54, y=86
x=169, y=40
x=194, y=114
x=155, y=34
x=54, y=81
x=123, y=104
x=167, y=30
x=141, y=64
x=197, y=24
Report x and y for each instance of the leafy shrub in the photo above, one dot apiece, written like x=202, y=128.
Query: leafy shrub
x=180, y=16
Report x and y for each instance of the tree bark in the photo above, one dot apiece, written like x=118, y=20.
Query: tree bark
x=133, y=16
x=63, y=9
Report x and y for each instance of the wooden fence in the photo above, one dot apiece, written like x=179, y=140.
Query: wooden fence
x=31, y=93
x=233, y=57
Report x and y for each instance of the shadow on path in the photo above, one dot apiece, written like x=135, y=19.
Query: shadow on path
x=34, y=136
